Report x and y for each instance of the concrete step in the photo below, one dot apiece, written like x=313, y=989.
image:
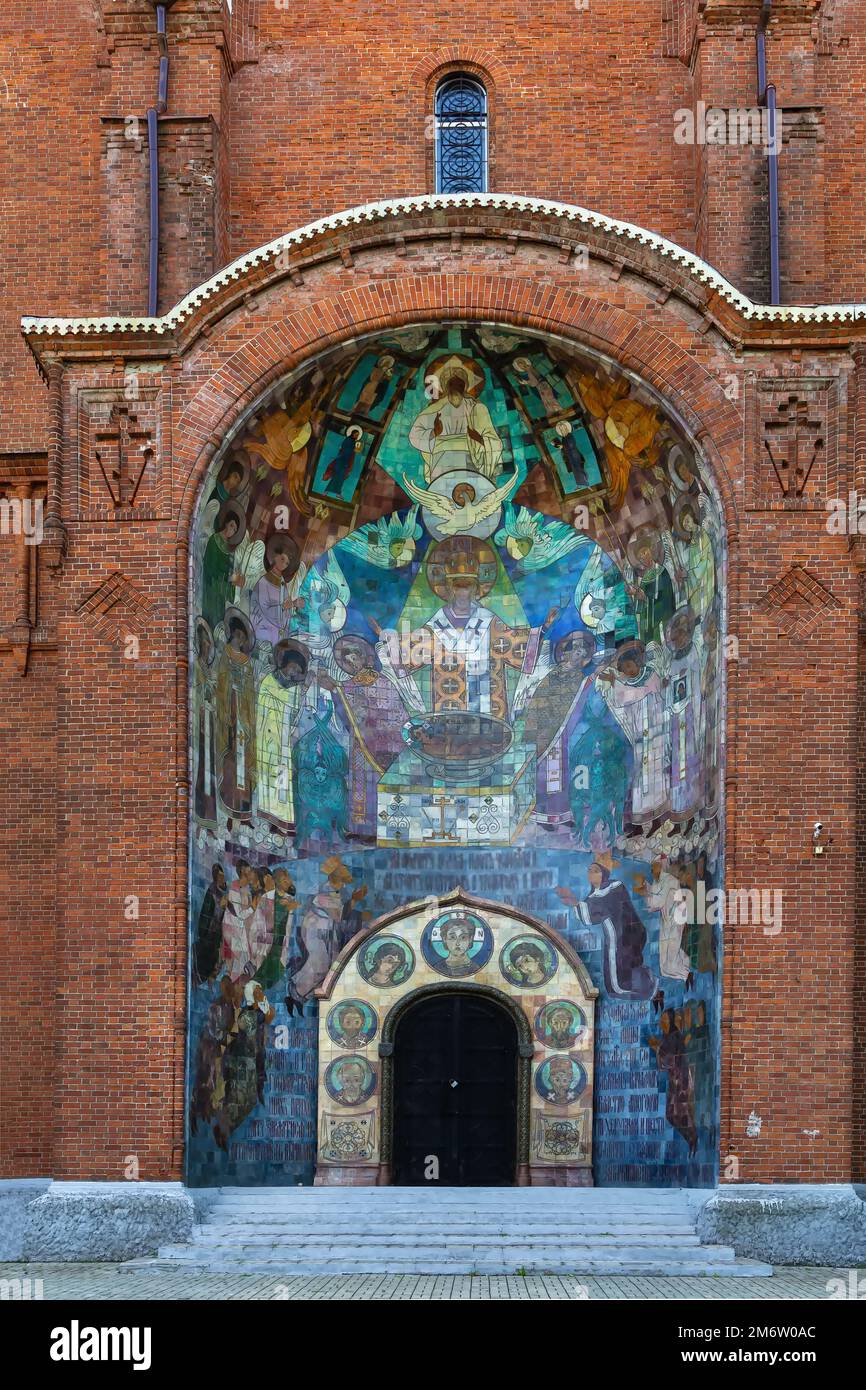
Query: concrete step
x=420, y=1262
x=405, y=1250
x=447, y=1240
x=374, y=1221
x=488, y=1196
x=300, y=1211
x=586, y=1194
x=579, y=1235
x=417, y=1196
x=312, y=1231
x=526, y=1208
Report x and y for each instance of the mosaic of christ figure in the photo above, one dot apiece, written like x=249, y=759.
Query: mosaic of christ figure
x=455, y=431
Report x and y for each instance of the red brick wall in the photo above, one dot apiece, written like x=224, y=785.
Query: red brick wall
x=311, y=115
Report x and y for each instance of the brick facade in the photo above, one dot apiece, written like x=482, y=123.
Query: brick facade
x=274, y=120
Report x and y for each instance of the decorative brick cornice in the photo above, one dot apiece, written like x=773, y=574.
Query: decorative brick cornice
x=402, y=221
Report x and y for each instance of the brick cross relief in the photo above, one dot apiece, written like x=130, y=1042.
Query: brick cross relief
x=793, y=440
x=123, y=449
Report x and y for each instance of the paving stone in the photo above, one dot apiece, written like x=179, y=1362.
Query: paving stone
x=111, y=1281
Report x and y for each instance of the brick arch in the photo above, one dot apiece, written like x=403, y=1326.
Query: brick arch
x=456, y=56
x=354, y=308
x=685, y=387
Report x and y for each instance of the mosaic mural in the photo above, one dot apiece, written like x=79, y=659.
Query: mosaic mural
x=456, y=614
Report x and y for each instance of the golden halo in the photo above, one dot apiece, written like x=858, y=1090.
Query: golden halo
x=443, y=368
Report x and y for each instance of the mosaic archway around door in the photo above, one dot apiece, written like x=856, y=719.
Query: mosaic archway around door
x=457, y=942
x=455, y=614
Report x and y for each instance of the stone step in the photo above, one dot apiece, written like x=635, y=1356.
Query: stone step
x=435, y=1235
x=447, y=1239
x=310, y=1231
x=589, y=1194
x=433, y=1205
x=406, y=1250
x=618, y=1263
x=389, y=1197
x=443, y=1230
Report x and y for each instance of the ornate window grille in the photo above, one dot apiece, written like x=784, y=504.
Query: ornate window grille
x=461, y=136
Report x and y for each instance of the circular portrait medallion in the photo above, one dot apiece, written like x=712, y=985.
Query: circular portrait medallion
x=559, y=1024
x=352, y=1023
x=385, y=961
x=457, y=943
x=528, y=962
x=350, y=1080
x=560, y=1079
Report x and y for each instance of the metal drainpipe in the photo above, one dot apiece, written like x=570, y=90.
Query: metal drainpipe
x=153, y=156
x=767, y=97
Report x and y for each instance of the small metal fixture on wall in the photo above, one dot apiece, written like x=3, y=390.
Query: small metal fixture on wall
x=821, y=838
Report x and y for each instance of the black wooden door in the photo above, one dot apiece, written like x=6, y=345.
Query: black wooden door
x=455, y=1093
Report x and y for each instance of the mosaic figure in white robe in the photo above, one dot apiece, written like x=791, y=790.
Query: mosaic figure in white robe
x=633, y=692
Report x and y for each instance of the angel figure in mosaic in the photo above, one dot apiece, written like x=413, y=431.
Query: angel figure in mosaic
x=535, y=540
x=284, y=447
x=691, y=549
x=602, y=599
x=281, y=697
x=630, y=429
x=275, y=592
x=236, y=716
x=388, y=543
x=321, y=615
x=683, y=667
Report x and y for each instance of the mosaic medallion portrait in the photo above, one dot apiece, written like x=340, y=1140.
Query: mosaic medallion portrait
x=352, y=1023
x=528, y=963
x=457, y=943
x=350, y=1080
x=560, y=1079
x=386, y=961
x=559, y=1024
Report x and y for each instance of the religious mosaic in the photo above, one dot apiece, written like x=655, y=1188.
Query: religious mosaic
x=456, y=618
x=442, y=939
x=352, y=1024
x=457, y=943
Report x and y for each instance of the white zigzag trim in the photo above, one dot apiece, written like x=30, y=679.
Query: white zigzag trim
x=394, y=207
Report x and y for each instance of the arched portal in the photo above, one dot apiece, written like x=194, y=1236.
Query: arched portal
x=388, y=1100
x=456, y=610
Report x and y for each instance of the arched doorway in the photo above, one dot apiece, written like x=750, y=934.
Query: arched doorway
x=539, y=1096
x=455, y=1092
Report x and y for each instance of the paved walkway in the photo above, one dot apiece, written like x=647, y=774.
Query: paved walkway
x=108, y=1281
